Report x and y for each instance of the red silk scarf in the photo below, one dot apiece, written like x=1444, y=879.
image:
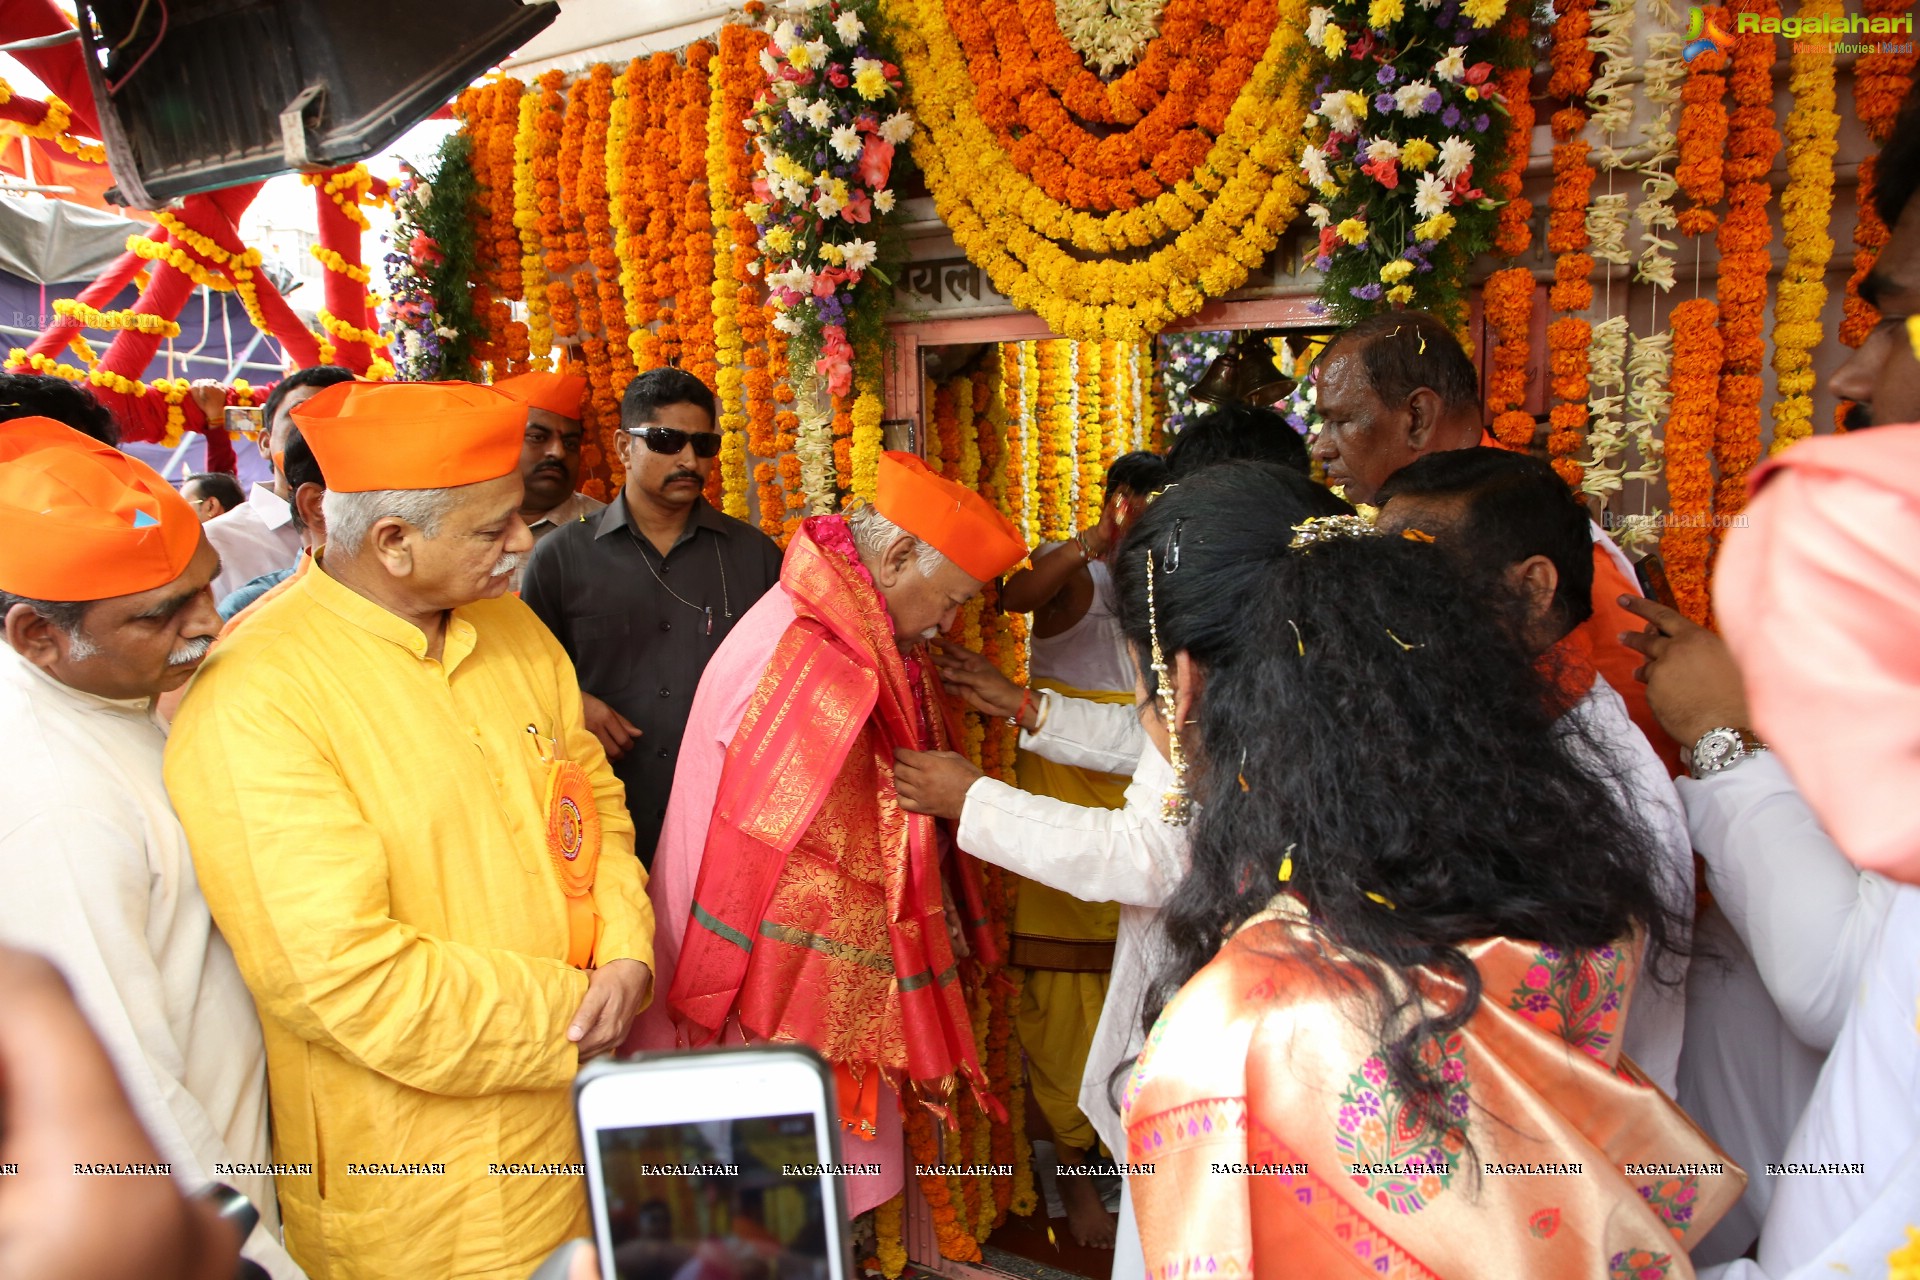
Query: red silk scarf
x=819, y=915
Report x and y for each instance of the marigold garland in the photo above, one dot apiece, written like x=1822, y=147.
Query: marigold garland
x=1684, y=545
x=52, y=127
x=1569, y=338
x=115, y=321
x=1745, y=261
x=1054, y=420
x=530, y=135
x=867, y=438
x=953, y=1239
x=1806, y=207
x=1506, y=302
x=1090, y=400
x=1206, y=235
x=1880, y=83
x=1703, y=139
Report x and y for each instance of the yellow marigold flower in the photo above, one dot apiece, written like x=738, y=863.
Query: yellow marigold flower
x=1353, y=231
x=1396, y=271
x=779, y=239
x=798, y=57
x=870, y=84
x=1382, y=14
x=1484, y=13
x=1336, y=41
x=1357, y=101
x=1438, y=227
x=1400, y=294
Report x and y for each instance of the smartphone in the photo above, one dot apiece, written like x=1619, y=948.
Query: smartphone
x=722, y=1163
x=246, y=419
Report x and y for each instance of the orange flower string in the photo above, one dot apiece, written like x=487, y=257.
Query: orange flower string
x=1703, y=139
x=1684, y=544
x=1569, y=338
x=1507, y=303
x=1745, y=261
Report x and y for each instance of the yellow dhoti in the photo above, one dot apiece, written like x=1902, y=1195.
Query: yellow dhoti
x=1066, y=947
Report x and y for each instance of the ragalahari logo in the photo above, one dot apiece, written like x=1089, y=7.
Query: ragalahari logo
x=1703, y=33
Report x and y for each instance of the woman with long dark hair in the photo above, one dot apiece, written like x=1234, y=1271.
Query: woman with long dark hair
x=1408, y=939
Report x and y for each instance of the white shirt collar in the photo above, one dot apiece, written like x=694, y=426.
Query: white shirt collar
x=272, y=509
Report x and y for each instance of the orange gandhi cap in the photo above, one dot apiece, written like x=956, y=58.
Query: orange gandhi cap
x=561, y=393
x=412, y=435
x=81, y=521
x=955, y=520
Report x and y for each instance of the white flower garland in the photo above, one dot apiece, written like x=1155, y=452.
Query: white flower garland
x=1109, y=34
x=1650, y=359
x=813, y=445
x=1606, y=434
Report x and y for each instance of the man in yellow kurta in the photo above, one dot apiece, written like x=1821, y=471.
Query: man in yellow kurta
x=397, y=815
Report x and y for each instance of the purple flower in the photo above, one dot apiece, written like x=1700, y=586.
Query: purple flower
x=1537, y=1002
x=1322, y=262
x=1383, y=102
x=1367, y=1102
x=1317, y=307
x=1450, y=12
x=1432, y=102
x=1297, y=422
x=1481, y=121
x=1450, y=117
x=1368, y=292
x=1386, y=74
x=1549, y=953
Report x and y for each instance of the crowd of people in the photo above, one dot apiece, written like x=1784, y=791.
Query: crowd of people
x=1402, y=890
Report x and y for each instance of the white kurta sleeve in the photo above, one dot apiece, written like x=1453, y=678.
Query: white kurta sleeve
x=78, y=890
x=1806, y=914
x=1125, y=855
x=1103, y=736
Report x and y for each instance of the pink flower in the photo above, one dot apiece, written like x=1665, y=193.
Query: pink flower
x=1329, y=241
x=1537, y=977
x=876, y=161
x=761, y=191
x=859, y=208
x=1384, y=172
x=1478, y=72
x=837, y=77
x=827, y=280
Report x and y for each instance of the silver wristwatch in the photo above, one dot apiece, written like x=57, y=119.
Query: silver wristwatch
x=1720, y=749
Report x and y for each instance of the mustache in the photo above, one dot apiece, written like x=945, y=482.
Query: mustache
x=507, y=563
x=1858, y=418
x=190, y=652
x=683, y=474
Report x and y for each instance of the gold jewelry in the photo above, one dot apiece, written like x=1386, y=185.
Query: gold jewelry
x=1322, y=529
x=1176, y=806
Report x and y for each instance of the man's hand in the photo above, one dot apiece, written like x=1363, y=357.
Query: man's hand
x=615, y=993
x=62, y=1104
x=980, y=684
x=212, y=399
x=1692, y=682
x=617, y=734
x=933, y=782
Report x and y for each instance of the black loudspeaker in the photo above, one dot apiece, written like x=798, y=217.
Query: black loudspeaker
x=195, y=95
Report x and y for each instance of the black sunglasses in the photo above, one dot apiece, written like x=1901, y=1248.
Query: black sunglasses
x=671, y=440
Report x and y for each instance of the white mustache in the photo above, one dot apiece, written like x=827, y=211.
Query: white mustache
x=190, y=652
x=508, y=562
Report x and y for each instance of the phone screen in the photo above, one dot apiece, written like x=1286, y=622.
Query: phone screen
x=719, y=1200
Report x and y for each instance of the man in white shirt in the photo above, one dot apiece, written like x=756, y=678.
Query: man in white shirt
x=1511, y=521
x=104, y=578
x=260, y=536
x=1791, y=928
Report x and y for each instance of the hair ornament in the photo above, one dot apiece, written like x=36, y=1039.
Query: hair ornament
x=1298, y=641
x=1417, y=535
x=1404, y=646
x=1286, y=864
x=1316, y=530
x=1382, y=901
x=1176, y=804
